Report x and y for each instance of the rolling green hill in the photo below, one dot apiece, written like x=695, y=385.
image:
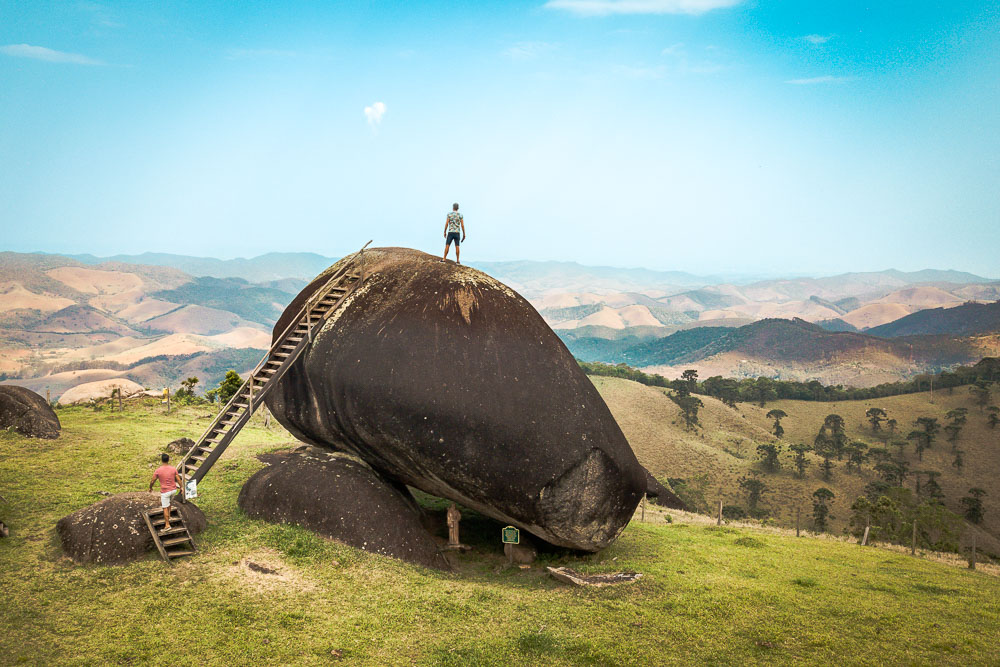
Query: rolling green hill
x=726, y=595
x=715, y=456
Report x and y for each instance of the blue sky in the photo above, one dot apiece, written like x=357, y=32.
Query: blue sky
x=701, y=135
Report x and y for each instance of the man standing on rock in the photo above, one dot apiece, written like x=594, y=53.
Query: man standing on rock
x=453, y=224
x=170, y=481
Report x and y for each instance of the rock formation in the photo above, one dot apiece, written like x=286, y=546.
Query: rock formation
x=101, y=389
x=340, y=496
x=113, y=531
x=27, y=413
x=442, y=378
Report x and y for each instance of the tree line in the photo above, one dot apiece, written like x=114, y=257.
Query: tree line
x=763, y=389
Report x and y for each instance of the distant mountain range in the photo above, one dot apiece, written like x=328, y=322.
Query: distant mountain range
x=969, y=319
x=787, y=349
x=263, y=268
x=156, y=317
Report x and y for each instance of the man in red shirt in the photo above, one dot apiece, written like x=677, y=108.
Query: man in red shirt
x=170, y=481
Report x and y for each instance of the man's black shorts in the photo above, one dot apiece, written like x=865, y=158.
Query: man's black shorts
x=453, y=236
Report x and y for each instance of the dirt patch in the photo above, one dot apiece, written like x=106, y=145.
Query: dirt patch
x=265, y=572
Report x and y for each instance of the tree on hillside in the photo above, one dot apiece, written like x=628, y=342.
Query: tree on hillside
x=189, y=384
x=973, y=504
x=726, y=390
x=826, y=453
x=891, y=425
x=768, y=455
x=857, y=452
x=993, y=418
x=879, y=454
x=821, y=510
x=227, y=387
x=924, y=439
x=690, y=378
x=980, y=393
x=900, y=445
x=837, y=436
x=875, y=417
x=800, y=461
x=892, y=473
x=932, y=490
x=689, y=409
x=763, y=390
x=755, y=490
x=777, y=415
x=889, y=513
x=957, y=419
x=959, y=461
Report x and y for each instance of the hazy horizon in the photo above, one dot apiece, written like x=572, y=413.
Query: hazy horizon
x=707, y=273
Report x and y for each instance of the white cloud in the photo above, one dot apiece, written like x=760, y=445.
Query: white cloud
x=374, y=113
x=674, y=50
x=48, y=55
x=817, y=39
x=818, y=79
x=528, y=50
x=608, y=7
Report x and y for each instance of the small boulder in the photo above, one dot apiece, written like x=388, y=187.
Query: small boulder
x=27, y=413
x=340, y=496
x=180, y=446
x=113, y=531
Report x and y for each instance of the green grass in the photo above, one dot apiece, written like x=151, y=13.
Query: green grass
x=707, y=595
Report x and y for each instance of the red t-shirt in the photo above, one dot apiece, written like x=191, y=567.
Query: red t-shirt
x=166, y=474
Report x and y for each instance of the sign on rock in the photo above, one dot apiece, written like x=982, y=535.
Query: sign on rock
x=511, y=535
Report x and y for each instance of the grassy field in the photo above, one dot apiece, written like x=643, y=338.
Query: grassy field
x=707, y=595
x=724, y=449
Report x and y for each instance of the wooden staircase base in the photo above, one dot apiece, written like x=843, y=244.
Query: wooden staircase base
x=174, y=542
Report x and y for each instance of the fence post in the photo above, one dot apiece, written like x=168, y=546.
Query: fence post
x=718, y=522
x=798, y=511
x=643, y=517
x=913, y=542
x=972, y=556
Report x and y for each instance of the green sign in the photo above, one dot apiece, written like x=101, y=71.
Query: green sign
x=511, y=535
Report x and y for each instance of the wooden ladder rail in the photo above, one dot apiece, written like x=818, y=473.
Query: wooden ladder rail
x=235, y=414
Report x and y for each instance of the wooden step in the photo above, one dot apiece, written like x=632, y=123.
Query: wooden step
x=178, y=554
x=175, y=540
x=173, y=530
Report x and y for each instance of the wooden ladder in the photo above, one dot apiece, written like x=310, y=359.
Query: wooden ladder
x=287, y=348
x=173, y=542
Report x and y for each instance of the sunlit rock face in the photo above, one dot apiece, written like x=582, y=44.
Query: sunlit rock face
x=440, y=377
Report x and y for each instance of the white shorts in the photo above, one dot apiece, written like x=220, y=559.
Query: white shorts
x=165, y=498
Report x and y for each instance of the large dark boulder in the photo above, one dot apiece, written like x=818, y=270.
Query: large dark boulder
x=113, y=531
x=27, y=413
x=336, y=495
x=444, y=379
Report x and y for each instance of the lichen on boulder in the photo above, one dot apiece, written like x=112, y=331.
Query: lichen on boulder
x=113, y=531
x=27, y=413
